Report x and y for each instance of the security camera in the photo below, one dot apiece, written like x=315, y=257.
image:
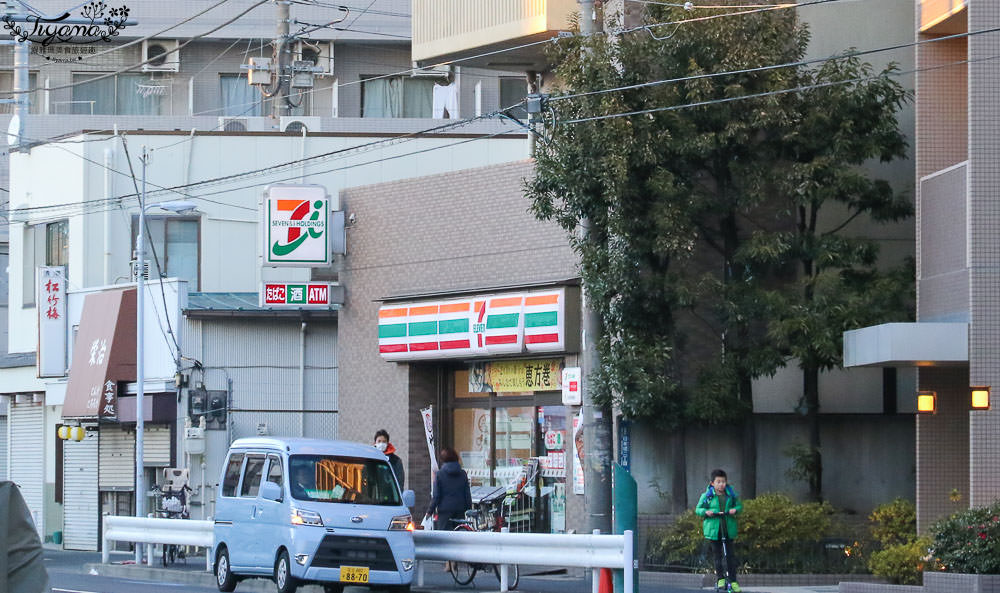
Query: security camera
x=353, y=218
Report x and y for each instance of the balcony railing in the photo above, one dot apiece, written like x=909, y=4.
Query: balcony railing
x=944, y=17
x=446, y=29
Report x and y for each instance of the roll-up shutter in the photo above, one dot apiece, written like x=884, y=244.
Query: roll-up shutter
x=26, y=424
x=80, y=495
x=117, y=455
x=156, y=446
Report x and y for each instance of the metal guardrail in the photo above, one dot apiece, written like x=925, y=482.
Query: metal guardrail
x=150, y=530
x=538, y=549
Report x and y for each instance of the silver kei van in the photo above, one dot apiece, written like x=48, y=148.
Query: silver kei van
x=312, y=511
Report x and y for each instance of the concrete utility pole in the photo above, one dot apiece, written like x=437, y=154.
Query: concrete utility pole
x=22, y=50
x=279, y=105
x=598, y=450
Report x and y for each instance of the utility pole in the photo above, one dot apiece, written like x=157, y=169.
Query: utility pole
x=22, y=50
x=279, y=105
x=596, y=419
x=140, y=360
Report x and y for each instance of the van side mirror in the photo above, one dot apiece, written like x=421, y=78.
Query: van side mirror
x=270, y=491
x=409, y=499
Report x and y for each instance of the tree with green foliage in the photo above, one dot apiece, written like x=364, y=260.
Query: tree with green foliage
x=692, y=198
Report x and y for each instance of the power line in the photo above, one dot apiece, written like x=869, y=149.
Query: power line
x=147, y=37
x=147, y=61
x=849, y=54
x=768, y=93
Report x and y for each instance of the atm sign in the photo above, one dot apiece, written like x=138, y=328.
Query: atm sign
x=291, y=294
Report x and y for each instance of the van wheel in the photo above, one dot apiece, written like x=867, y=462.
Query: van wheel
x=224, y=577
x=283, y=578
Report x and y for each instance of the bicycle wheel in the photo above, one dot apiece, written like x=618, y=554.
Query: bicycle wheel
x=463, y=572
x=513, y=575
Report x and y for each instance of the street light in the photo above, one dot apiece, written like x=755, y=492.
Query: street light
x=178, y=207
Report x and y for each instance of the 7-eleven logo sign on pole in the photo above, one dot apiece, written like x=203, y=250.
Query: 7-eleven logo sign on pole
x=296, y=226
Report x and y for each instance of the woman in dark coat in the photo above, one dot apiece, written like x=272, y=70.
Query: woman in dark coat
x=451, y=496
x=21, y=567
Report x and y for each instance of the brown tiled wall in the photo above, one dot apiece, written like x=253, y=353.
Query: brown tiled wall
x=984, y=226
x=943, y=446
x=464, y=230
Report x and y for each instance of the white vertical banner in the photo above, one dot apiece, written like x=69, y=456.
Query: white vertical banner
x=427, y=414
x=50, y=303
x=578, y=483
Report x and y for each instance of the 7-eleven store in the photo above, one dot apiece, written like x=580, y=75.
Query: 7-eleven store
x=500, y=356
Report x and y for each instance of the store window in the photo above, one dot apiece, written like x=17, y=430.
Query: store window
x=505, y=438
x=122, y=94
x=397, y=96
x=175, y=241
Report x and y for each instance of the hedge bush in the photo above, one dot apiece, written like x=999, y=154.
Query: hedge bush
x=969, y=541
x=903, y=563
x=775, y=535
x=894, y=523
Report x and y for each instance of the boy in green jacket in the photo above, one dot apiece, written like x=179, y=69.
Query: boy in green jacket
x=719, y=506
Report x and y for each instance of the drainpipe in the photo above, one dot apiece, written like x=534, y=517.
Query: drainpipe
x=302, y=379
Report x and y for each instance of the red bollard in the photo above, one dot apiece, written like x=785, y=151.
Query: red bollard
x=606, y=585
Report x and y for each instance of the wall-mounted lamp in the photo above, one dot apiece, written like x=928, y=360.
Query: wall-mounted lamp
x=980, y=398
x=927, y=402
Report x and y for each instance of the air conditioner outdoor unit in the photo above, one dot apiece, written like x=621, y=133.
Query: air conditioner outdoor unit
x=234, y=124
x=432, y=72
x=155, y=52
x=245, y=124
x=22, y=398
x=295, y=123
x=319, y=53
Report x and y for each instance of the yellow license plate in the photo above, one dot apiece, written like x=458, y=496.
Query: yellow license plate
x=353, y=574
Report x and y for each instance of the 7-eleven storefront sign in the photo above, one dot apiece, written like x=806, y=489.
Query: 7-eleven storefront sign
x=481, y=325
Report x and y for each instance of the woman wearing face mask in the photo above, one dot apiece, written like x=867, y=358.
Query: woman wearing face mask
x=382, y=444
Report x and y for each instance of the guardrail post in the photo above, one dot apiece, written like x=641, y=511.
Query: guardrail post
x=208, y=559
x=105, y=550
x=595, y=577
x=420, y=573
x=629, y=562
x=504, y=587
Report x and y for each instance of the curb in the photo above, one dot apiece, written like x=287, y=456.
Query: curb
x=199, y=578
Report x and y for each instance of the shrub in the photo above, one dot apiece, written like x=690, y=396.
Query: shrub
x=894, y=523
x=902, y=563
x=969, y=541
x=680, y=545
x=772, y=522
x=775, y=535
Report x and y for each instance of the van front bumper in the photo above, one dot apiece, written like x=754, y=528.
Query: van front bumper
x=389, y=556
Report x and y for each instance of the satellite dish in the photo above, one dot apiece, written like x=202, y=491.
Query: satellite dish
x=14, y=131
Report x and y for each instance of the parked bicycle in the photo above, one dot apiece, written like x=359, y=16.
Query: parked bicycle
x=487, y=516
x=173, y=504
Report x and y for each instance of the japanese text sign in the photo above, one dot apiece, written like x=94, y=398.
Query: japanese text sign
x=50, y=302
x=298, y=295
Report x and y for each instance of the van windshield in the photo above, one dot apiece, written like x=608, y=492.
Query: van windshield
x=355, y=480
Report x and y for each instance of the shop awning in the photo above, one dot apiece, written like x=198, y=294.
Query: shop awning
x=907, y=344
x=103, y=355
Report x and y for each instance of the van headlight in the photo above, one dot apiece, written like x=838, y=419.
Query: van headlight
x=304, y=517
x=401, y=523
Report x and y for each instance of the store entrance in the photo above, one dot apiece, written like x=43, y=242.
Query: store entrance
x=516, y=441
